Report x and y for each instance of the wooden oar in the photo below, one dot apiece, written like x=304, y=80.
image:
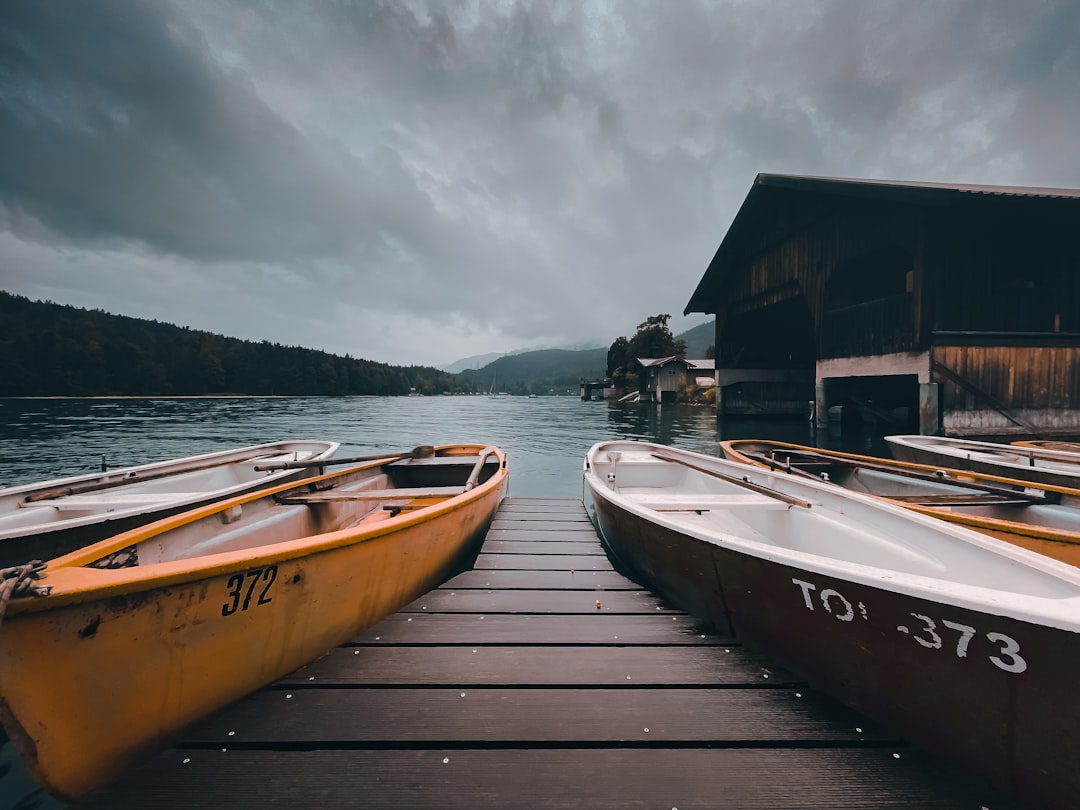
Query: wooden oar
x=918, y=475
x=742, y=482
x=109, y=480
x=421, y=451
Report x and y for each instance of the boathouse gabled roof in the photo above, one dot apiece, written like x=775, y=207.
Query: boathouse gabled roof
x=693, y=365
x=756, y=207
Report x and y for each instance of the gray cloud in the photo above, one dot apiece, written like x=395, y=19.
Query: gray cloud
x=419, y=180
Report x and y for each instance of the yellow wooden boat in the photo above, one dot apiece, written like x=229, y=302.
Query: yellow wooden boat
x=144, y=633
x=1039, y=517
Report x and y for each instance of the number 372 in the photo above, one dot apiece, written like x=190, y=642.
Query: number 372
x=245, y=587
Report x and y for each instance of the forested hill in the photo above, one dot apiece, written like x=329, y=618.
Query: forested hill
x=546, y=371
x=50, y=349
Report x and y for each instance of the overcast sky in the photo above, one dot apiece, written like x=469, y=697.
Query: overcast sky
x=417, y=182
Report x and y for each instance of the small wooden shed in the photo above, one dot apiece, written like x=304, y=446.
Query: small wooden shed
x=959, y=303
x=662, y=377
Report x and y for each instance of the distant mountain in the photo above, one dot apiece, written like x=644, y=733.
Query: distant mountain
x=545, y=371
x=474, y=362
x=699, y=339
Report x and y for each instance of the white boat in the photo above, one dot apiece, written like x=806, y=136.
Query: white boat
x=965, y=644
x=1057, y=467
x=50, y=518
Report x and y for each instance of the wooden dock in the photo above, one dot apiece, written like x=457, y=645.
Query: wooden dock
x=542, y=678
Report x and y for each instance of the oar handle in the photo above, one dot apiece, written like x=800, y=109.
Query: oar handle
x=942, y=477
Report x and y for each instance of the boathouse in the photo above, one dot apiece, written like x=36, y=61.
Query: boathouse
x=945, y=308
x=662, y=377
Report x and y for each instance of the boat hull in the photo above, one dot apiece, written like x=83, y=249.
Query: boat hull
x=90, y=686
x=941, y=674
x=1039, y=466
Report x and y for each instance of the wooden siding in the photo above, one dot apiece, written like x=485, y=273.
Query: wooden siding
x=1010, y=266
x=1031, y=377
x=844, y=241
x=993, y=264
x=883, y=326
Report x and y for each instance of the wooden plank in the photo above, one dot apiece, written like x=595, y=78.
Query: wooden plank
x=553, y=504
x=576, y=532
x=441, y=715
x=560, y=516
x=543, y=527
x=542, y=547
x=472, y=628
x=511, y=779
x=542, y=562
x=538, y=601
x=547, y=511
x=569, y=579
x=542, y=666
x=568, y=505
x=536, y=531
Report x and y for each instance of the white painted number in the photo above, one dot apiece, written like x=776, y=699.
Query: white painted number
x=932, y=640
x=965, y=636
x=1009, y=648
x=840, y=607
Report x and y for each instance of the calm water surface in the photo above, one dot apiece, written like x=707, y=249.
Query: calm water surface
x=545, y=438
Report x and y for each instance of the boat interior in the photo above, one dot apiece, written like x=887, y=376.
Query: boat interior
x=735, y=503
x=133, y=492
x=1019, y=503
x=351, y=499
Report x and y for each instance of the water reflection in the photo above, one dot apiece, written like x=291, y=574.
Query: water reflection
x=545, y=437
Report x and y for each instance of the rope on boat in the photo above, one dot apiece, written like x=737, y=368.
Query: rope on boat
x=18, y=581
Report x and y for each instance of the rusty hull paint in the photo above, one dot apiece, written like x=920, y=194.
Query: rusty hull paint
x=93, y=685
x=1018, y=731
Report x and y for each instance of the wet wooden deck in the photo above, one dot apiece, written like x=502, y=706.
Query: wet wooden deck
x=542, y=678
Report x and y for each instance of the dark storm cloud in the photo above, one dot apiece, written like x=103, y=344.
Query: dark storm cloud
x=116, y=123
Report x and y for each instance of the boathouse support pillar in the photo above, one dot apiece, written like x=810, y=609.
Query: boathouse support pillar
x=821, y=405
x=929, y=409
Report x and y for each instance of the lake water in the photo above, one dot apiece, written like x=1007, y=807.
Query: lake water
x=545, y=438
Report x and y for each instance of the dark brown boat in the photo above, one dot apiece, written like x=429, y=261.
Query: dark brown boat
x=967, y=645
